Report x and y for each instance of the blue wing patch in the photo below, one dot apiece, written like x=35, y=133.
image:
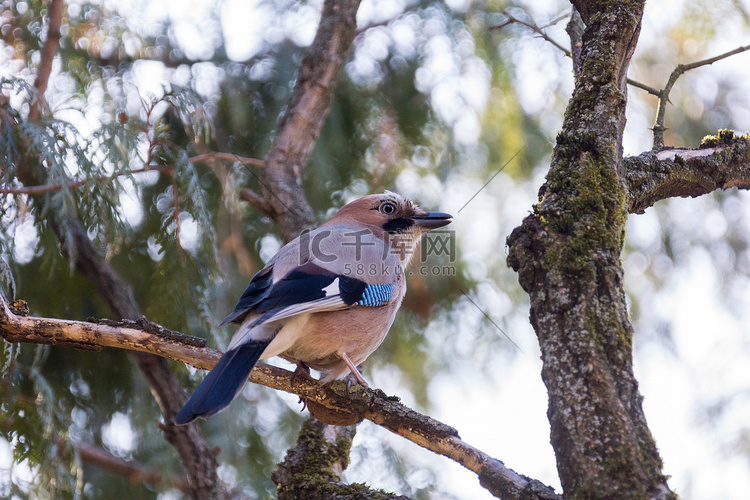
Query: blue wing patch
x=305, y=289
x=376, y=295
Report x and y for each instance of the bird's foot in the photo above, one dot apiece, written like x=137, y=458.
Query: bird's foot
x=357, y=375
x=302, y=370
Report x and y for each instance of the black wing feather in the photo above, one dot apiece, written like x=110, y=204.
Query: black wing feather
x=351, y=289
x=302, y=284
x=253, y=294
x=220, y=386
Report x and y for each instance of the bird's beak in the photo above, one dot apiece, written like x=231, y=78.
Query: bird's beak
x=432, y=220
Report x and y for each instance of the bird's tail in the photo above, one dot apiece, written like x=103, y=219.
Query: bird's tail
x=220, y=386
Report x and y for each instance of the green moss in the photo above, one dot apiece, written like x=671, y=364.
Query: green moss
x=723, y=137
x=726, y=136
x=320, y=456
x=344, y=445
x=591, y=204
x=314, y=475
x=576, y=143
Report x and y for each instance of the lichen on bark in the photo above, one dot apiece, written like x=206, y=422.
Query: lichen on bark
x=313, y=468
x=722, y=162
x=567, y=255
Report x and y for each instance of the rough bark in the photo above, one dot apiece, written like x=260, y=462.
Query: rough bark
x=363, y=403
x=723, y=163
x=567, y=255
x=312, y=469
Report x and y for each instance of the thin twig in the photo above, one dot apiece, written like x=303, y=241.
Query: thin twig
x=555, y=20
x=645, y=87
x=51, y=188
x=256, y=200
x=370, y=404
x=664, y=93
x=533, y=27
x=540, y=31
x=706, y=62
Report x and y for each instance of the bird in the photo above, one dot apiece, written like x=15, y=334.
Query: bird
x=325, y=301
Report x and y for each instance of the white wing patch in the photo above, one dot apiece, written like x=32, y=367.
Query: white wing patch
x=332, y=289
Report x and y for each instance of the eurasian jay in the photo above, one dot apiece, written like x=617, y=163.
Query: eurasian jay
x=326, y=300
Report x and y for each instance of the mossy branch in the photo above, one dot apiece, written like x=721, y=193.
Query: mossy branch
x=722, y=162
x=361, y=403
x=312, y=469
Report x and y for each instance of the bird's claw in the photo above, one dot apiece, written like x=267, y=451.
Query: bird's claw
x=302, y=369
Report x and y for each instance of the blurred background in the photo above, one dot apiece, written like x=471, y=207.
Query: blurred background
x=433, y=103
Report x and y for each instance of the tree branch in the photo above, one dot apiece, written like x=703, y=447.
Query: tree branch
x=301, y=124
x=256, y=200
x=196, y=457
x=567, y=253
x=51, y=188
x=194, y=453
x=574, y=30
x=134, y=472
x=48, y=53
x=645, y=87
x=657, y=175
x=663, y=94
x=372, y=405
x=533, y=27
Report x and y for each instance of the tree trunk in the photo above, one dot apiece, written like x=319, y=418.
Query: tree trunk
x=567, y=255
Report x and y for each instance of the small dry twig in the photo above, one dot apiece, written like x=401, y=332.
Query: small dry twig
x=663, y=94
x=542, y=34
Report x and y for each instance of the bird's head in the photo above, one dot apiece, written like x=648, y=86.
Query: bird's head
x=393, y=217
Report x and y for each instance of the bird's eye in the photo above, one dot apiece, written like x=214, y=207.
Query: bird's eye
x=387, y=208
